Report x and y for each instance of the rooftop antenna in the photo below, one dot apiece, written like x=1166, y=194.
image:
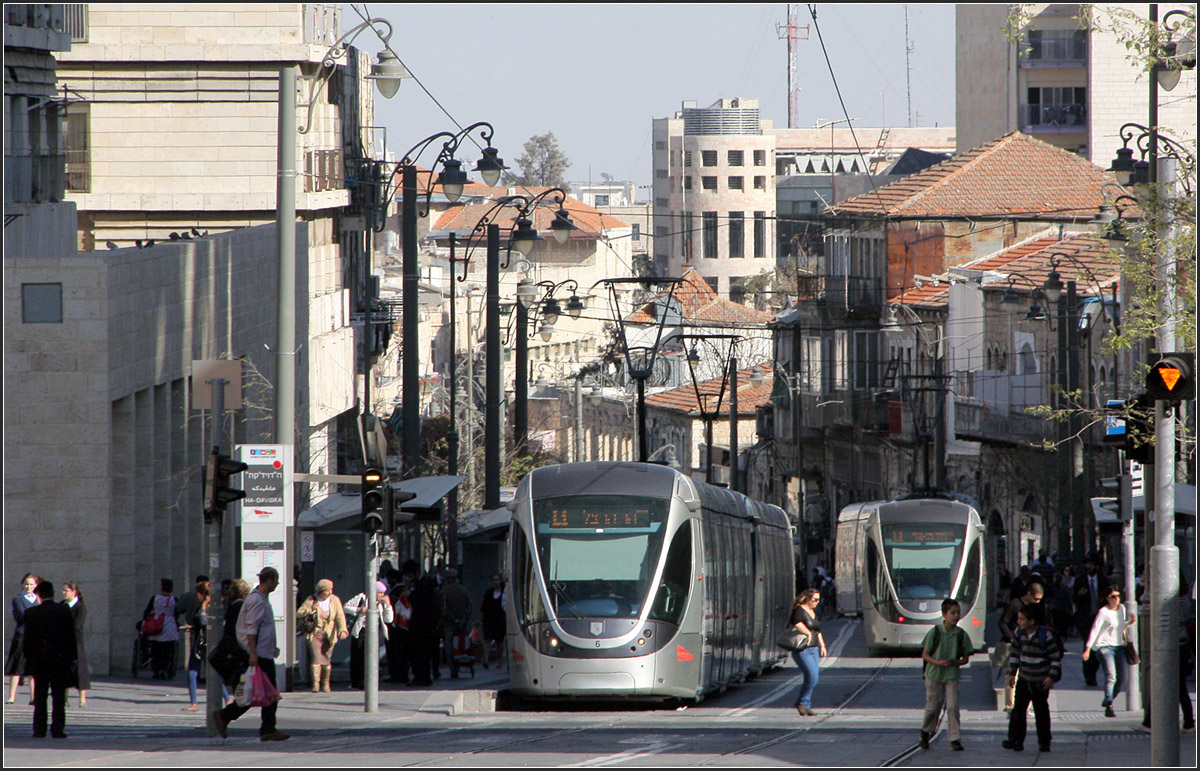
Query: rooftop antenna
x=793, y=33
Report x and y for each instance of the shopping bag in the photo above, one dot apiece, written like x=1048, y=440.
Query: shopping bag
x=244, y=692
x=264, y=694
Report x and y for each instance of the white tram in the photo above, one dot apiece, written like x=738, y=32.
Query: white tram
x=634, y=580
x=905, y=557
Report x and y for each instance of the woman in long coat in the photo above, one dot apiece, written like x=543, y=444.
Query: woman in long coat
x=330, y=628
x=14, y=664
x=73, y=599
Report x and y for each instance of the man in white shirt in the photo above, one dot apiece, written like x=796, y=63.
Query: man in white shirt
x=256, y=633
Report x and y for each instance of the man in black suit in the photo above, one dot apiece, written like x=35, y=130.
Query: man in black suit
x=1090, y=590
x=50, y=650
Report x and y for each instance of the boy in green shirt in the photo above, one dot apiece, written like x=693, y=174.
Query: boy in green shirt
x=945, y=650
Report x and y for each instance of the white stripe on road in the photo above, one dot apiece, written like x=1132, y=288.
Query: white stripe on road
x=655, y=748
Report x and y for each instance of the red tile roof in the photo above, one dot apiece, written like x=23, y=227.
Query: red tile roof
x=1014, y=176
x=750, y=395
x=702, y=306
x=477, y=200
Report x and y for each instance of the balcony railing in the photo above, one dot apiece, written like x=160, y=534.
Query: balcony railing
x=1056, y=51
x=854, y=293
x=978, y=421
x=1054, y=116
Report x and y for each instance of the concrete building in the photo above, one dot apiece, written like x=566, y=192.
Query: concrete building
x=1061, y=72
x=171, y=127
x=714, y=193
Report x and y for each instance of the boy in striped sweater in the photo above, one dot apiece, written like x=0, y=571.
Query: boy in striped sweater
x=1035, y=666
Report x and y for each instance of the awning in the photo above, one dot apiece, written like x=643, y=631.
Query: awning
x=342, y=512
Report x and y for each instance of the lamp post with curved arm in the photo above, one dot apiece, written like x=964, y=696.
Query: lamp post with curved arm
x=452, y=179
x=548, y=310
x=935, y=352
x=728, y=371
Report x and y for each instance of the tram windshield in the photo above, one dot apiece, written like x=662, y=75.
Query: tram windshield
x=598, y=552
x=923, y=558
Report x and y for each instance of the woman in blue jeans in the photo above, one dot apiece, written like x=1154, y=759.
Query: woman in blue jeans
x=1107, y=640
x=804, y=619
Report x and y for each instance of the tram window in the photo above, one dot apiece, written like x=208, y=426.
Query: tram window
x=923, y=558
x=969, y=587
x=876, y=579
x=672, y=593
x=526, y=595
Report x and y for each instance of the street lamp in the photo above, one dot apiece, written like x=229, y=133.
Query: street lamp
x=547, y=310
x=729, y=367
x=647, y=354
x=933, y=351
x=452, y=178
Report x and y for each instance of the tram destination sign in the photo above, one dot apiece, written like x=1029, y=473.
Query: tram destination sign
x=590, y=517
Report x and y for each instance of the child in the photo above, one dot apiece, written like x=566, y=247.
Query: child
x=945, y=650
x=1037, y=656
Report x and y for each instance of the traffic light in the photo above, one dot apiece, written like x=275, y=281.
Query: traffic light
x=218, y=494
x=373, y=497
x=1172, y=378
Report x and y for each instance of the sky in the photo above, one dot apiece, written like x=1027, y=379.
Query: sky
x=596, y=75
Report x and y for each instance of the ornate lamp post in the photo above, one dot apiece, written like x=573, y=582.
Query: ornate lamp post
x=728, y=372
x=547, y=310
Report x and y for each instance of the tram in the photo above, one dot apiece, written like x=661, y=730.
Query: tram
x=906, y=556
x=632, y=580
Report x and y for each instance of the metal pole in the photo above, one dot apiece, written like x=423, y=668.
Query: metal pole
x=521, y=382
x=213, y=616
x=371, y=644
x=491, y=420
x=1075, y=430
x=285, y=320
x=643, y=445
x=578, y=420
x=1164, y=556
x=1133, y=693
x=734, y=482
x=411, y=368
x=452, y=435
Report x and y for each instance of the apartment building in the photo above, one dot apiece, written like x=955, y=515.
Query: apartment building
x=1061, y=73
x=714, y=192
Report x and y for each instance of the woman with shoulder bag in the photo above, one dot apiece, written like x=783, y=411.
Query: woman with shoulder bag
x=327, y=628
x=1108, y=640
x=160, y=612
x=804, y=619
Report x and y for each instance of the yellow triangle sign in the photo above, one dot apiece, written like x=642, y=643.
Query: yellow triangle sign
x=1170, y=376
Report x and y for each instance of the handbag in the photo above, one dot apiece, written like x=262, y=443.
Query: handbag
x=154, y=625
x=229, y=659
x=1131, y=654
x=306, y=623
x=792, y=639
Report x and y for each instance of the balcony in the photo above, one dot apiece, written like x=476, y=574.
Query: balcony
x=854, y=294
x=981, y=422
x=1047, y=49
x=1046, y=118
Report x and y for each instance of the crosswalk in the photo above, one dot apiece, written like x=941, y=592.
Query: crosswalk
x=116, y=723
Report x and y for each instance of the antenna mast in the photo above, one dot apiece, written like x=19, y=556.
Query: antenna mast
x=793, y=33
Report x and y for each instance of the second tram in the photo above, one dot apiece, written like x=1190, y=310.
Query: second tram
x=906, y=556
x=634, y=580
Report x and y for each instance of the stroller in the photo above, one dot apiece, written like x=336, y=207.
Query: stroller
x=467, y=649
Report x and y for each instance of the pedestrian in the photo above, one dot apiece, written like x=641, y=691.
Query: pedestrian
x=357, y=607
x=1062, y=606
x=493, y=611
x=82, y=678
x=14, y=664
x=1107, y=640
x=1034, y=593
x=397, y=641
x=424, y=626
x=329, y=628
x=50, y=649
x=1034, y=668
x=457, y=616
x=162, y=644
x=1043, y=567
x=804, y=619
x=198, y=633
x=256, y=634
x=189, y=602
x=1003, y=584
x=1090, y=590
x=945, y=651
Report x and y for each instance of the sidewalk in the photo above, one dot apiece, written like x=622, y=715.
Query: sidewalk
x=1082, y=736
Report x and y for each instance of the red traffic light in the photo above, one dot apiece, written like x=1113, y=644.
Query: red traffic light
x=1171, y=378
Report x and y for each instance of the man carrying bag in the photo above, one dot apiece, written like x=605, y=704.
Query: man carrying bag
x=256, y=633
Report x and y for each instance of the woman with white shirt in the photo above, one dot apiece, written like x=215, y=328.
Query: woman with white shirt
x=1108, y=640
x=357, y=607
